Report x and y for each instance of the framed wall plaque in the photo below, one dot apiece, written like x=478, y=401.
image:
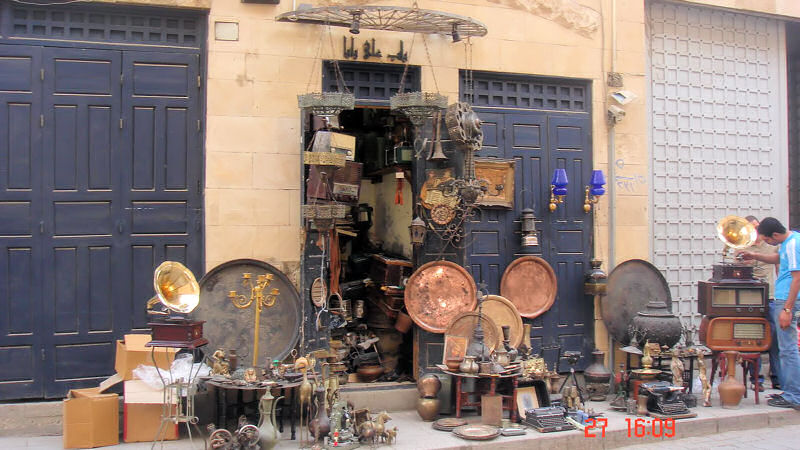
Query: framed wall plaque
x=455, y=347
x=499, y=173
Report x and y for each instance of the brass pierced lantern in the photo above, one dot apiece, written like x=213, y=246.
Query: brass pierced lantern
x=418, y=230
x=529, y=236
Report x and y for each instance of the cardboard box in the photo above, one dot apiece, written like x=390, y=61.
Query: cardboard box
x=142, y=414
x=90, y=418
x=132, y=351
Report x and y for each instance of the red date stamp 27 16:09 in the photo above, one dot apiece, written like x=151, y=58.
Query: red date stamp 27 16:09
x=640, y=427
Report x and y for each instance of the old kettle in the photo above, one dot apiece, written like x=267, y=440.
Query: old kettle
x=267, y=429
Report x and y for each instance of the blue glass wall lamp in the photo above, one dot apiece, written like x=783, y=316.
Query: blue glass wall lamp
x=558, y=188
x=595, y=191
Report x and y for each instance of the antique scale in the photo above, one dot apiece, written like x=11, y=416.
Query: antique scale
x=733, y=302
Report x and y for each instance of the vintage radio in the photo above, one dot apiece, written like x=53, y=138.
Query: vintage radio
x=347, y=182
x=732, y=299
x=744, y=334
x=732, y=272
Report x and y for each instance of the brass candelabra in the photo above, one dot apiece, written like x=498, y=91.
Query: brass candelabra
x=259, y=298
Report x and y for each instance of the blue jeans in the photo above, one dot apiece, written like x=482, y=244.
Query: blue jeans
x=788, y=353
x=774, y=361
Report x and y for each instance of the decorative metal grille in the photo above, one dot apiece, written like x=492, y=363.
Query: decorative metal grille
x=98, y=25
x=509, y=91
x=367, y=81
x=715, y=135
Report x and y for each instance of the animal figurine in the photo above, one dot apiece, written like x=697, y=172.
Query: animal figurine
x=366, y=433
x=380, y=425
x=391, y=436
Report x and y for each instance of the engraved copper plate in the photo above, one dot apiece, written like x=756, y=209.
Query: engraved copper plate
x=438, y=292
x=503, y=312
x=448, y=423
x=631, y=286
x=465, y=323
x=530, y=283
x=477, y=432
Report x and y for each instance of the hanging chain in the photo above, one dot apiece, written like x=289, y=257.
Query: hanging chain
x=405, y=67
x=317, y=56
x=337, y=71
x=430, y=63
x=469, y=80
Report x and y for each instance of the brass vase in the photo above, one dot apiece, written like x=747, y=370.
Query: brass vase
x=731, y=391
x=428, y=408
x=428, y=385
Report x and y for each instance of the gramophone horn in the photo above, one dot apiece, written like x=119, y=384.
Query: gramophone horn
x=437, y=154
x=176, y=288
x=736, y=232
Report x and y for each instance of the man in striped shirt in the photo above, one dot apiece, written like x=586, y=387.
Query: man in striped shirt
x=783, y=308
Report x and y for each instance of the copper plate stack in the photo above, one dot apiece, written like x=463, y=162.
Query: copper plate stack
x=477, y=432
x=448, y=424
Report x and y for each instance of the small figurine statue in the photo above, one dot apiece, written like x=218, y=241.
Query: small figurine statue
x=250, y=375
x=701, y=368
x=220, y=366
x=677, y=368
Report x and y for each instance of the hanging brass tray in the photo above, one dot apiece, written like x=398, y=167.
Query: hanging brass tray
x=229, y=327
x=503, y=312
x=438, y=292
x=531, y=285
x=477, y=432
x=464, y=325
x=631, y=286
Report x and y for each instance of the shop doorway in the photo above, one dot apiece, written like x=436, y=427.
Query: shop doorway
x=364, y=258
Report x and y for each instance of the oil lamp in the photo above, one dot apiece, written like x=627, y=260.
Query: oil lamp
x=528, y=224
x=418, y=230
x=558, y=188
x=595, y=191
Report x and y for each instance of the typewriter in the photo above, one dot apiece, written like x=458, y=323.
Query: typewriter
x=546, y=420
x=664, y=398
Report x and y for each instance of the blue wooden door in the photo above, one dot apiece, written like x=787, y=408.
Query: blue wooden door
x=539, y=142
x=101, y=166
x=20, y=200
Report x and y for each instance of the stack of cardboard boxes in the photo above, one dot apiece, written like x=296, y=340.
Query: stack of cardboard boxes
x=91, y=416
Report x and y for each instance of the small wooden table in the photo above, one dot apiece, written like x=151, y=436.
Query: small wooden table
x=462, y=398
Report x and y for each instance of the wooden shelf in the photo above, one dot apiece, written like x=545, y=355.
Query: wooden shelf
x=377, y=175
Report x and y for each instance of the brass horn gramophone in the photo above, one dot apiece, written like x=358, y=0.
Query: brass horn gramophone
x=736, y=233
x=178, y=294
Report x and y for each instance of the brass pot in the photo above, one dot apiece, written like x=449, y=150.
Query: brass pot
x=428, y=385
x=468, y=365
x=369, y=373
x=428, y=408
x=452, y=364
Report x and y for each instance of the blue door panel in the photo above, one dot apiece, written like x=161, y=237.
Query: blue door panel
x=538, y=142
x=100, y=180
x=21, y=344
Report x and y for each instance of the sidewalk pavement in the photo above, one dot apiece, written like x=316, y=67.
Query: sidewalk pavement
x=751, y=426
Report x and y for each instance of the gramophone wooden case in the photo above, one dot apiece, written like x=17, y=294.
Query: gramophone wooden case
x=737, y=299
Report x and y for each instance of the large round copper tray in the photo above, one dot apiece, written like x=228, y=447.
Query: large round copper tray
x=631, y=286
x=503, y=312
x=464, y=325
x=477, y=432
x=438, y=292
x=530, y=283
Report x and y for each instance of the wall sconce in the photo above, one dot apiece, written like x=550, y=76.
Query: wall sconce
x=355, y=28
x=558, y=188
x=594, y=192
x=418, y=230
x=528, y=224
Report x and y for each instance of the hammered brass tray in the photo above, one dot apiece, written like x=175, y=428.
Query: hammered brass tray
x=437, y=292
x=531, y=285
x=503, y=312
x=477, y=432
x=448, y=423
x=464, y=325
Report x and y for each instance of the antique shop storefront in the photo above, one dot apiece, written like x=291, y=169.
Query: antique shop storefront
x=188, y=142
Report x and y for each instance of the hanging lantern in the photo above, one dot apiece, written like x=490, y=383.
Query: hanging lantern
x=418, y=230
x=528, y=223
